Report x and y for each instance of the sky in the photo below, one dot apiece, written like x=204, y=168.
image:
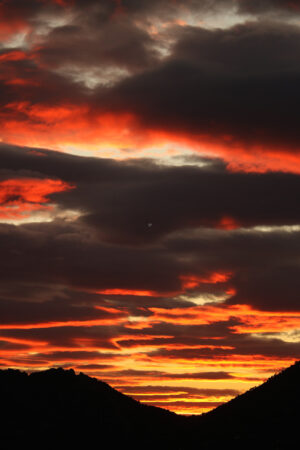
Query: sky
x=149, y=193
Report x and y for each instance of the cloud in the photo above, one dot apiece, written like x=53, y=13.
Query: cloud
x=143, y=192
x=157, y=375
x=243, y=105
x=179, y=390
x=273, y=7
x=115, y=201
x=86, y=367
x=119, y=44
x=242, y=346
x=19, y=197
x=237, y=87
x=180, y=269
x=20, y=313
x=65, y=356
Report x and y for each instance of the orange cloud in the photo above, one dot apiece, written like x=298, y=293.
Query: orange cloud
x=265, y=322
x=70, y=323
x=68, y=126
x=19, y=197
x=187, y=282
x=137, y=293
x=143, y=338
x=252, y=321
x=191, y=281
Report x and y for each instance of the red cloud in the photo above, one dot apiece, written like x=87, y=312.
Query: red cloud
x=15, y=55
x=18, y=197
x=76, y=125
x=134, y=292
x=191, y=281
x=187, y=282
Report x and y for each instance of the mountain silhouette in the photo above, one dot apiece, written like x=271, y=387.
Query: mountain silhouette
x=57, y=409
x=265, y=417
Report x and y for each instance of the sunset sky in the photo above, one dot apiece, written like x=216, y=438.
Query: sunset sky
x=150, y=193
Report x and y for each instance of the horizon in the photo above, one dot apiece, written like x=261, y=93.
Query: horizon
x=149, y=194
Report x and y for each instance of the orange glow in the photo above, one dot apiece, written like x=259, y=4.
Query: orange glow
x=20, y=196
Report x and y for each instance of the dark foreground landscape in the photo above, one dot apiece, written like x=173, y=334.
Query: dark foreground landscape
x=60, y=410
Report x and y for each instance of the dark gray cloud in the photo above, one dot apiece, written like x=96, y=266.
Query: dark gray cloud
x=256, y=259
x=18, y=312
x=119, y=199
x=252, y=49
x=68, y=337
x=236, y=87
x=275, y=286
x=119, y=44
x=38, y=86
x=273, y=7
x=111, y=246
x=62, y=254
x=217, y=84
x=101, y=12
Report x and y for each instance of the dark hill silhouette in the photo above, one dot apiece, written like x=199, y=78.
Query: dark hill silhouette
x=265, y=417
x=56, y=409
